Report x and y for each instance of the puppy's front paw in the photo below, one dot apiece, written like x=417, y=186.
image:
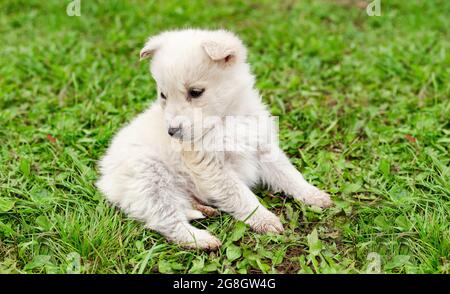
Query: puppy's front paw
x=202, y=239
x=265, y=222
x=316, y=197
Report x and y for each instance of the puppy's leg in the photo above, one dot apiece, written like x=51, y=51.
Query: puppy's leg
x=204, y=209
x=220, y=187
x=194, y=214
x=279, y=173
x=152, y=194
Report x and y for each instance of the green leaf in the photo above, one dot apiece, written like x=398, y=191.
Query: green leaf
x=385, y=167
x=42, y=196
x=38, y=261
x=346, y=207
x=6, y=229
x=402, y=223
x=279, y=256
x=242, y=265
x=177, y=266
x=264, y=267
x=397, y=262
x=265, y=253
x=239, y=231
x=350, y=188
x=381, y=222
x=314, y=244
x=139, y=245
x=164, y=267
x=6, y=204
x=233, y=252
x=212, y=267
x=43, y=222
x=197, y=266
x=25, y=167
x=148, y=257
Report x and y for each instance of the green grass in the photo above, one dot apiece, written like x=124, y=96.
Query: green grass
x=364, y=106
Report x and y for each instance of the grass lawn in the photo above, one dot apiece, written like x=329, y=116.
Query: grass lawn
x=364, y=106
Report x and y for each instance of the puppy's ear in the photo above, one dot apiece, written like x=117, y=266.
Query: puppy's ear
x=153, y=44
x=224, y=47
x=218, y=52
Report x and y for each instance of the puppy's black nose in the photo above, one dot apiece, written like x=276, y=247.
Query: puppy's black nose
x=173, y=131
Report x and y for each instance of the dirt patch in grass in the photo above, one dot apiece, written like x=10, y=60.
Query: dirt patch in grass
x=290, y=265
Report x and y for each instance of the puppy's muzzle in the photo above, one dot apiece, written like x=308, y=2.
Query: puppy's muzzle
x=174, y=132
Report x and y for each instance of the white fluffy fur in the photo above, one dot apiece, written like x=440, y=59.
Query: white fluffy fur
x=151, y=181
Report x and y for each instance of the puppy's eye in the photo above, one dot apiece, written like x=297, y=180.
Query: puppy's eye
x=163, y=96
x=195, y=92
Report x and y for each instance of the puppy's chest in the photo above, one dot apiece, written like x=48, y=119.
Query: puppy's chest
x=245, y=165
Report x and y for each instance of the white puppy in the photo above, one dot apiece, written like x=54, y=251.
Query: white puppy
x=185, y=147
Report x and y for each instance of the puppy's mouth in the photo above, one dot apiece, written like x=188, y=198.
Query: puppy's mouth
x=190, y=136
x=178, y=136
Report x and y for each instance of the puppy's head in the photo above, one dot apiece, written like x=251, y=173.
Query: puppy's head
x=200, y=75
